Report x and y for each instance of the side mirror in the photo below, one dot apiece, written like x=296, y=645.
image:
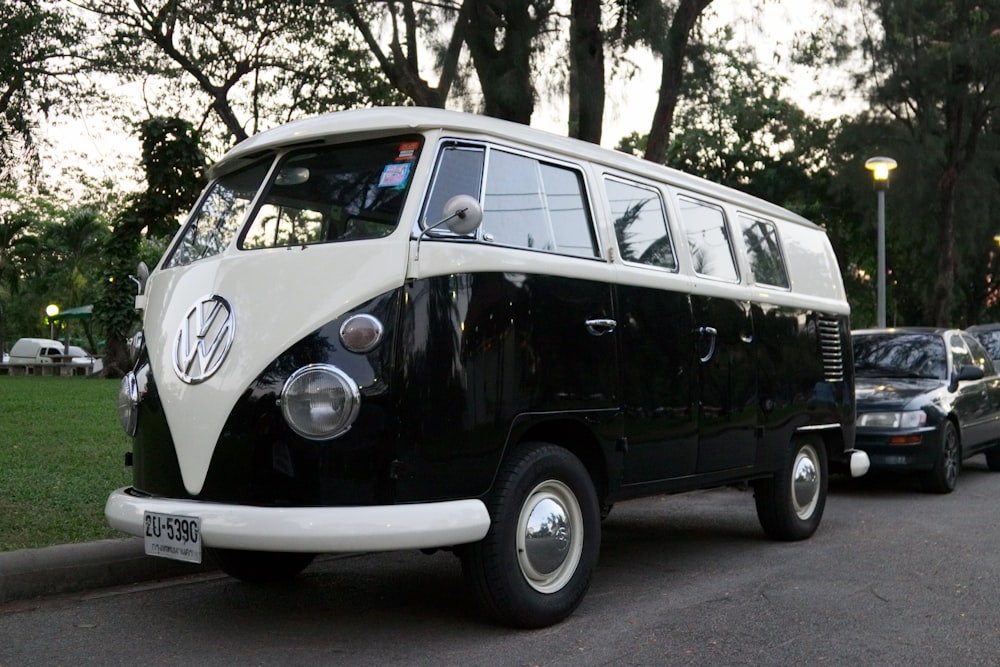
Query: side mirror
x=141, y=276
x=462, y=214
x=970, y=372
x=966, y=373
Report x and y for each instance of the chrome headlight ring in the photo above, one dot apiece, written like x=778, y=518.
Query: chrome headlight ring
x=320, y=401
x=128, y=403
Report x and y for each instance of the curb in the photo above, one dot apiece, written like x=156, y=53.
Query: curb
x=70, y=568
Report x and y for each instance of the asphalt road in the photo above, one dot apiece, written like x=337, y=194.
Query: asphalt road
x=893, y=577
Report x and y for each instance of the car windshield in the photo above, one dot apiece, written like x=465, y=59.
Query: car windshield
x=316, y=195
x=895, y=355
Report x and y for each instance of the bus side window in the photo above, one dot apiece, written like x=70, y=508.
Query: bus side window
x=764, y=252
x=531, y=204
x=640, y=224
x=459, y=172
x=708, y=239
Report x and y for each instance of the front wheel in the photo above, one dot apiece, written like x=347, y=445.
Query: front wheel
x=534, y=565
x=261, y=567
x=790, y=504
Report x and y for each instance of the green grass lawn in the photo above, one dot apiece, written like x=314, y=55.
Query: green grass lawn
x=62, y=452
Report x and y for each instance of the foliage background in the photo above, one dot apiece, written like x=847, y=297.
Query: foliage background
x=189, y=78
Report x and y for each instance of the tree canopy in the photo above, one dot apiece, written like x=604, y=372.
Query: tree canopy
x=213, y=72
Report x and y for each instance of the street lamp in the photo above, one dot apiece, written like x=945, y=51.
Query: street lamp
x=880, y=168
x=51, y=311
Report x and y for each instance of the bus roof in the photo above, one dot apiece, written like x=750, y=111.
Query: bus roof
x=379, y=121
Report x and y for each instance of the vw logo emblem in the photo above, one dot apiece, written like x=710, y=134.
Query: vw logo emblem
x=203, y=339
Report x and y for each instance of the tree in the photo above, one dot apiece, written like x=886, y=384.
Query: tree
x=935, y=73
x=37, y=68
x=667, y=31
x=18, y=248
x=586, y=71
x=71, y=246
x=246, y=64
x=502, y=39
x=402, y=59
x=174, y=163
x=734, y=125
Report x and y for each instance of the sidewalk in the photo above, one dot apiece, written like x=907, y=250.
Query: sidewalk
x=70, y=568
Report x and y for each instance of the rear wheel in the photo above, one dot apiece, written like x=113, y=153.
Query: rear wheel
x=261, y=567
x=944, y=475
x=790, y=504
x=534, y=565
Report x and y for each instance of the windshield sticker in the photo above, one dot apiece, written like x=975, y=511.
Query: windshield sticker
x=394, y=175
x=408, y=150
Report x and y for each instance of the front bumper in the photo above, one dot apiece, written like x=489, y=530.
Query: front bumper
x=886, y=455
x=312, y=529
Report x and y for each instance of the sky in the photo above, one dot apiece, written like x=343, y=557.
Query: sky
x=108, y=152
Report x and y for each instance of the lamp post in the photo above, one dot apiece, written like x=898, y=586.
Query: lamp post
x=51, y=311
x=880, y=168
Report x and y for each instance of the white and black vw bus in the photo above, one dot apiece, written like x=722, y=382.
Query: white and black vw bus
x=407, y=328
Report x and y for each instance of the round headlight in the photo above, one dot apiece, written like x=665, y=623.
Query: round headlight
x=128, y=403
x=320, y=401
x=361, y=333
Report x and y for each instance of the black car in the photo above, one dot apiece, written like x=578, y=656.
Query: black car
x=926, y=400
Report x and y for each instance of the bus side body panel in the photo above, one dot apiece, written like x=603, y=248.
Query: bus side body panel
x=486, y=357
x=659, y=383
x=804, y=382
x=728, y=411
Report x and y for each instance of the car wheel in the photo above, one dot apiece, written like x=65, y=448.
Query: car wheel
x=534, y=565
x=260, y=567
x=993, y=458
x=943, y=476
x=790, y=504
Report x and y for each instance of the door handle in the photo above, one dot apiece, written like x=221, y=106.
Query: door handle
x=712, y=334
x=600, y=326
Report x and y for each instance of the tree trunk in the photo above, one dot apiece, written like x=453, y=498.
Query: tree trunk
x=586, y=71
x=939, y=308
x=672, y=54
x=504, y=72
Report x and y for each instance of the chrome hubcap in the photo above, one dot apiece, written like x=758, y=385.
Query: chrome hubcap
x=805, y=482
x=549, y=536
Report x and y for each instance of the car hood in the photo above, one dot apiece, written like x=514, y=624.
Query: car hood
x=896, y=393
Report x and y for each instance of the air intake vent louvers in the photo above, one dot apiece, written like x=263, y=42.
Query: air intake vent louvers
x=831, y=349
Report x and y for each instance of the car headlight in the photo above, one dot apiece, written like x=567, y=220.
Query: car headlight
x=908, y=419
x=320, y=401
x=128, y=403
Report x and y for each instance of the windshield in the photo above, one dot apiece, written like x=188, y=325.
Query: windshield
x=220, y=215
x=337, y=193
x=900, y=355
x=316, y=195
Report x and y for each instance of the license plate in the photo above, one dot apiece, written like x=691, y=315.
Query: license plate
x=172, y=536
